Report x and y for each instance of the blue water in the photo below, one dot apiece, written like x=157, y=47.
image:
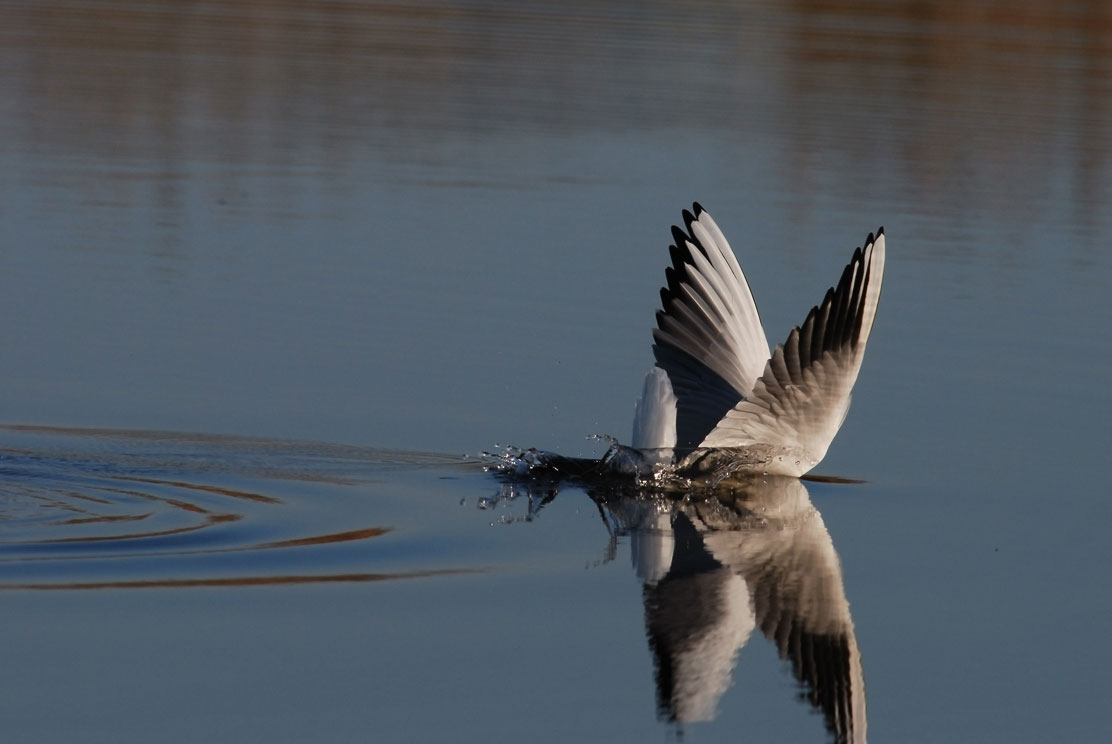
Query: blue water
x=272, y=276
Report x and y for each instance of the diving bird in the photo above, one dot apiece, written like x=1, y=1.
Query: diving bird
x=716, y=399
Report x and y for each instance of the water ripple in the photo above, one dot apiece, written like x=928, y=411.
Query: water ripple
x=100, y=509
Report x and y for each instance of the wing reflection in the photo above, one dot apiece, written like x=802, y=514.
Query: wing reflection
x=714, y=567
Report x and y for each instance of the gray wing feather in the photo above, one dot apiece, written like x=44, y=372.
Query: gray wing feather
x=801, y=399
x=709, y=337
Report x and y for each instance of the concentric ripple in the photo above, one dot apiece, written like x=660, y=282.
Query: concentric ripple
x=92, y=509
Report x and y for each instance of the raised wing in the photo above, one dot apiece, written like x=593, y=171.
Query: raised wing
x=799, y=402
x=709, y=337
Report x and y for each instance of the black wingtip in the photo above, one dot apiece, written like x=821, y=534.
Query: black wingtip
x=660, y=316
x=697, y=208
x=679, y=238
x=688, y=218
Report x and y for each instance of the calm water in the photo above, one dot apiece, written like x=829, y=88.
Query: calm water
x=348, y=247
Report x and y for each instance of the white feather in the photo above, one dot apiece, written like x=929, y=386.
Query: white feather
x=716, y=385
x=654, y=419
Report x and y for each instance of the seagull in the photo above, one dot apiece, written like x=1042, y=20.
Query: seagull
x=716, y=400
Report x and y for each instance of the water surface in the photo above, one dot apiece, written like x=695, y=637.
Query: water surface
x=345, y=248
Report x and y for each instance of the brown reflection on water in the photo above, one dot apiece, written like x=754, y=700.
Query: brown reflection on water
x=960, y=109
x=258, y=497
x=208, y=522
x=280, y=71
x=325, y=539
x=61, y=500
x=972, y=94
x=106, y=518
x=129, y=522
x=237, y=581
x=84, y=497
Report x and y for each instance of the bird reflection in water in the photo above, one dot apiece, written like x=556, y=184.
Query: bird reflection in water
x=717, y=564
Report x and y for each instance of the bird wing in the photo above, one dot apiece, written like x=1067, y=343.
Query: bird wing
x=803, y=394
x=797, y=593
x=709, y=337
